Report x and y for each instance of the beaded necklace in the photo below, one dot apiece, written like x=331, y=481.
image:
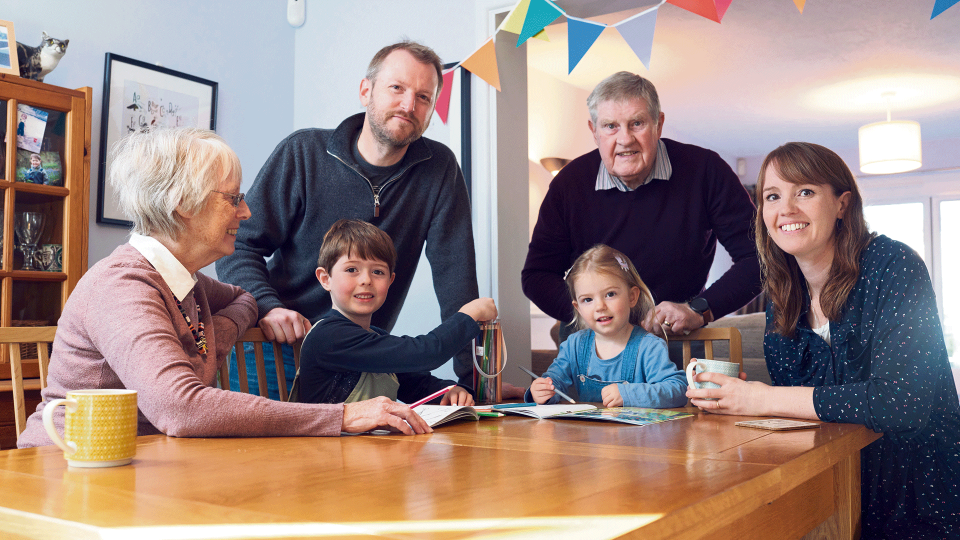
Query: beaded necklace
x=200, y=338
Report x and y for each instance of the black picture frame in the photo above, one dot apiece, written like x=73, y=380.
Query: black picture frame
x=137, y=95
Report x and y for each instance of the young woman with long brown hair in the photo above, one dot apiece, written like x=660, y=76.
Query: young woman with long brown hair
x=852, y=336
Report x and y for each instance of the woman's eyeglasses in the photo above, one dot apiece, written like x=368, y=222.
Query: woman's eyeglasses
x=235, y=198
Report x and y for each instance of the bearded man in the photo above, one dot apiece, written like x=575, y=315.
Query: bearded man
x=377, y=167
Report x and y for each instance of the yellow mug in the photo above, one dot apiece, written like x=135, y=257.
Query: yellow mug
x=100, y=428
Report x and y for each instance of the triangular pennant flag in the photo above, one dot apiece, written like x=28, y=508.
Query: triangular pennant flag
x=443, y=100
x=800, y=4
x=514, y=22
x=539, y=15
x=704, y=8
x=638, y=33
x=483, y=64
x=722, y=6
x=580, y=36
x=941, y=6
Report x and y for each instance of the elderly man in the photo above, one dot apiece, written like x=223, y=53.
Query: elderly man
x=663, y=203
x=377, y=167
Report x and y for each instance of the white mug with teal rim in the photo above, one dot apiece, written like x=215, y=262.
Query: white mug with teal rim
x=730, y=369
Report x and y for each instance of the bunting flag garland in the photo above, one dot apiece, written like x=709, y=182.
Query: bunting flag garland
x=514, y=21
x=637, y=31
x=443, y=100
x=704, y=8
x=722, y=6
x=483, y=64
x=529, y=18
x=581, y=34
x=540, y=13
x=941, y=6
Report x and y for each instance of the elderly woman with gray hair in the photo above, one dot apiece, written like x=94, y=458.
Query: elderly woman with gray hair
x=144, y=318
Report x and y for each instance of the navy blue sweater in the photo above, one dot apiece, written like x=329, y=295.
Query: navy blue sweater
x=310, y=181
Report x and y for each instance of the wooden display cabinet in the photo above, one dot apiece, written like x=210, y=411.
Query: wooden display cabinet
x=36, y=297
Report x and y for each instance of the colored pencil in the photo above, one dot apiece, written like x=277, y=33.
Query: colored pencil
x=535, y=376
x=434, y=395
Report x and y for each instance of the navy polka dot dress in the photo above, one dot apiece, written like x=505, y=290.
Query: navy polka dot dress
x=886, y=368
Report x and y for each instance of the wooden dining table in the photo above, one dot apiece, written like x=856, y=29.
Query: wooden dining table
x=510, y=477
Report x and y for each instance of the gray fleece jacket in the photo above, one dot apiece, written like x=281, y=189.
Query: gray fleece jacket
x=310, y=181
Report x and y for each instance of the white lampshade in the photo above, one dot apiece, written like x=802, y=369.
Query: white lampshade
x=890, y=147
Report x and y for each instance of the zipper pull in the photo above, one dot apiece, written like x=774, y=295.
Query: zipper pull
x=376, y=203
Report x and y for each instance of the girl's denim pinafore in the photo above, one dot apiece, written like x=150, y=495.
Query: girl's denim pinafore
x=589, y=388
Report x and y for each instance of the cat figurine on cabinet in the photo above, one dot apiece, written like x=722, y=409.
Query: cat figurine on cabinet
x=37, y=62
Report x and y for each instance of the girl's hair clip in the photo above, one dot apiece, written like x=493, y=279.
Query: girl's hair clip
x=623, y=263
x=567, y=273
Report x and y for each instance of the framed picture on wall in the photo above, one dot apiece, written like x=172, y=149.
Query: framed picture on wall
x=8, y=50
x=137, y=96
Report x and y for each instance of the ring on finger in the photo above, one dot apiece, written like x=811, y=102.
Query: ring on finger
x=718, y=405
x=668, y=324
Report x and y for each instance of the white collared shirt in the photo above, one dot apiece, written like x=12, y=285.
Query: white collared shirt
x=662, y=170
x=174, y=274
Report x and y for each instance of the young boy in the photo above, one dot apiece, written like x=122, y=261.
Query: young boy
x=344, y=359
x=36, y=174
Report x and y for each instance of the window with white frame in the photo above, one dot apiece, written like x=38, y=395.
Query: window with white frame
x=923, y=211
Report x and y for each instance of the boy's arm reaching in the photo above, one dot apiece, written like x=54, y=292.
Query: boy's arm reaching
x=338, y=344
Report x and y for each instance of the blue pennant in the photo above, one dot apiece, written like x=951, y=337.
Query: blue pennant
x=941, y=6
x=580, y=36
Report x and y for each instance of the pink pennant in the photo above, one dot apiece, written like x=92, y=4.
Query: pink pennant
x=443, y=100
x=722, y=6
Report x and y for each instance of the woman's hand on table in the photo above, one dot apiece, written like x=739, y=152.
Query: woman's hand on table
x=457, y=396
x=381, y=412
x=735, y=396
x=738, y=396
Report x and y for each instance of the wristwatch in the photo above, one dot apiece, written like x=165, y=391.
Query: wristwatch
x=700, y=306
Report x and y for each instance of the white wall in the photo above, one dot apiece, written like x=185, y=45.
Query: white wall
x=214, y=39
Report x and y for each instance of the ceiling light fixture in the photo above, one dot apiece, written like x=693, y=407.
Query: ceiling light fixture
x=553, y=164
x=890, y=147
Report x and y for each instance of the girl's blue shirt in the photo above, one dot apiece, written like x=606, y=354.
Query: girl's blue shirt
x=655, y=381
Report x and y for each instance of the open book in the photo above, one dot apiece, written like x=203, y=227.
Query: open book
x=435, y=415
x=637, y=416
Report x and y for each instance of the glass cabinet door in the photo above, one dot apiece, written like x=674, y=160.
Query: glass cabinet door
x=44, y=195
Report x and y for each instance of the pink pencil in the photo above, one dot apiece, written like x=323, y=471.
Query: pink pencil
x=434, y=395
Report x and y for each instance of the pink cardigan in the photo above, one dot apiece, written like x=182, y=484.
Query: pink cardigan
x=121, y=328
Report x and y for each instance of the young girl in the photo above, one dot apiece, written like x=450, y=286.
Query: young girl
x=613, y=360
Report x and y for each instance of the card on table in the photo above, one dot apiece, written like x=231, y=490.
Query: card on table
x=777, y=424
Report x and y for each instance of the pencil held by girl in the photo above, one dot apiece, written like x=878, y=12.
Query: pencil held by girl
x=612, y=359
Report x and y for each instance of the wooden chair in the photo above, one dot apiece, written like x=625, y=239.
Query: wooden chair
x=14, y=337
x=256, y=337
x=708, y=335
